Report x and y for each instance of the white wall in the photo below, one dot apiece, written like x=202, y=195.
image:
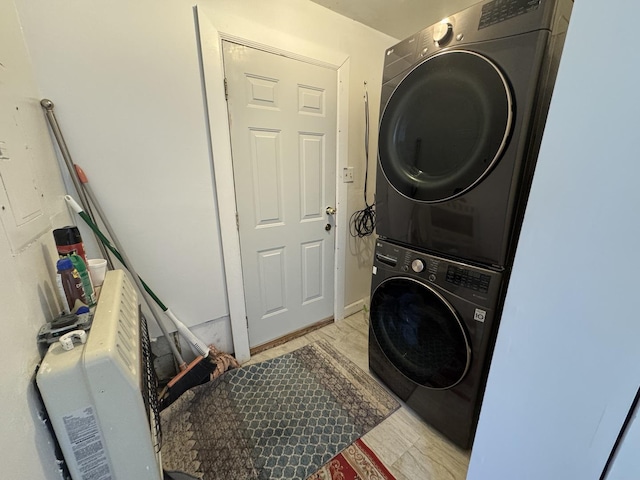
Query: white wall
x=28, y=294
x=567, y=358
x=125, y=80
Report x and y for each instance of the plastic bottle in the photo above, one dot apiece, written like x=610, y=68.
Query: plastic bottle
x=87, y=286
x=70, y=286
x=68, y=240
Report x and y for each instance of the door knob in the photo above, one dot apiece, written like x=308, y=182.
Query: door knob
x=331, y=211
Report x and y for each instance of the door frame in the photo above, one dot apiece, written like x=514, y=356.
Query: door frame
x=209, y=39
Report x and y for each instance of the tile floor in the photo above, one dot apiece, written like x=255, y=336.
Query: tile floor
x=408, y=447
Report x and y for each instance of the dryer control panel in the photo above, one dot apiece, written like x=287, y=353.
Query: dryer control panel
x=480, y=22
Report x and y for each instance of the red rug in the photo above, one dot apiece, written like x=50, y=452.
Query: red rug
x=356, y=462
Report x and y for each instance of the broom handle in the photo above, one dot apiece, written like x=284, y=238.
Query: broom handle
x=47, y=105
x=127, y=264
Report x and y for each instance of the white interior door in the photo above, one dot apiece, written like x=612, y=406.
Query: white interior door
x=282, y=114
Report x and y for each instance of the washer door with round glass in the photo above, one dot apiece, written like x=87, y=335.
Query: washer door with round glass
x=445, y=126
x=420, y=333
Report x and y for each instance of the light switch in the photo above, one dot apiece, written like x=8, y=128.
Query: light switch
x=347, y=175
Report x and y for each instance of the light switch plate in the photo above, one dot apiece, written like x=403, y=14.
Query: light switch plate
x=347, y=175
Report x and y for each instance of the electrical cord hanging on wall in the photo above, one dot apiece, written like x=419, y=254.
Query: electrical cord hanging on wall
x=363, y=222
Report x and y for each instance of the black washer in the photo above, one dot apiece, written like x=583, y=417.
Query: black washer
x=430, y=334
x=420, y=333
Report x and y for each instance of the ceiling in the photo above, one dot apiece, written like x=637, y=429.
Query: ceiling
x=397, y=18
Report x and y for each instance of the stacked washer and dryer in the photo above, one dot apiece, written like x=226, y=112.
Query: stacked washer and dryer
x=463, y=108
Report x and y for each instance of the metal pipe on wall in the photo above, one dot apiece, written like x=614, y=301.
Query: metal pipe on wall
x=48, y=106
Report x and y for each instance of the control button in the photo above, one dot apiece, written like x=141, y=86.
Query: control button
x=417, y=265
x=405, y=268
x=432, y=278
x=442, y=33
x=460, y=36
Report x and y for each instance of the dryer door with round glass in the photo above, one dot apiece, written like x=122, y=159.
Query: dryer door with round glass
x=445, y=126
x=420, y=333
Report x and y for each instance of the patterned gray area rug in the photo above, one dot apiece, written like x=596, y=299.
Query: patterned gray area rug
x=279, y=419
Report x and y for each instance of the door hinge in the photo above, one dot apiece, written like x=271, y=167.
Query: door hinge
x=247, y=320
x=237, y=221
x=226, y=89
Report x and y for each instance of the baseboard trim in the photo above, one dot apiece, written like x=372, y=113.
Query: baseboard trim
x=290, y=336
x=355, y=307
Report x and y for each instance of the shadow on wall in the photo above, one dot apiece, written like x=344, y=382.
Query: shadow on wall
x=362, y=248
x=47, y=297
x=47, y=440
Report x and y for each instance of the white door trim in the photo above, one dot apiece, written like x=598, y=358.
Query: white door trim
x=210, y=39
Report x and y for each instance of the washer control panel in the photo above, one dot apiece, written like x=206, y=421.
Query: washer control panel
x=468, y=278
x=465, y=280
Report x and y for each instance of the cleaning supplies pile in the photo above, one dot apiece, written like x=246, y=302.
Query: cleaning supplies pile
x=75, y=285
x=77, y=288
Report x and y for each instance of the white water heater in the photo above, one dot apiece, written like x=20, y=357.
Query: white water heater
x=100, y=392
